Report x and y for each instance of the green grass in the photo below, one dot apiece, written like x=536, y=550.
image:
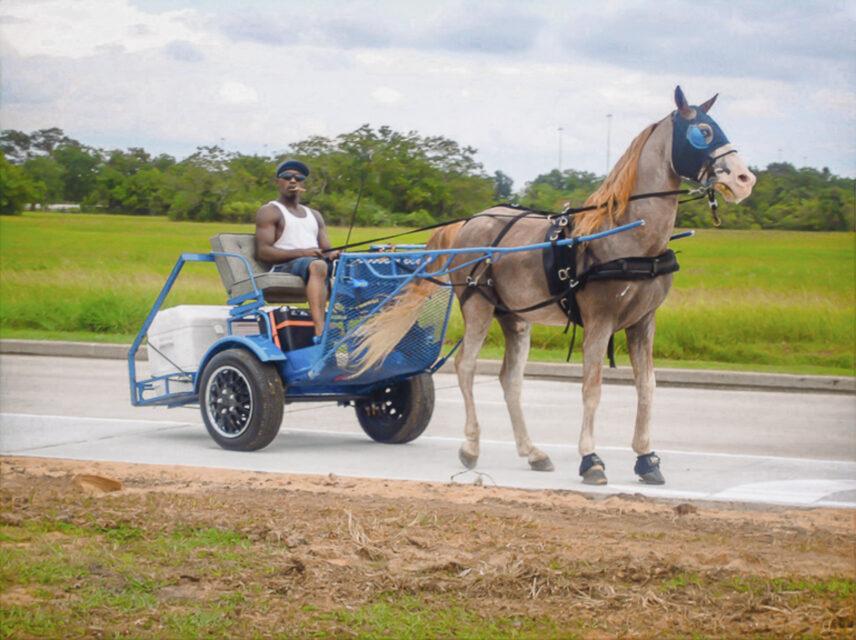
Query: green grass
x=89, y=570
x=409, y=618
x=751, y=300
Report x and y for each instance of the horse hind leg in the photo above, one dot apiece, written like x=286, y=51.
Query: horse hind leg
x=477, y=314
x=640, y=345
x=517, y=334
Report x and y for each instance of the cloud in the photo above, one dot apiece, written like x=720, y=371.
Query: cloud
x=255, y=27
x=184, y=51
x=718, y=37
x=449, y=26
x=348, y=26
x=484, y=28
x=349, y=33
x=238, y=93
x=82, y=28
x=841, y=101
x=386, y=95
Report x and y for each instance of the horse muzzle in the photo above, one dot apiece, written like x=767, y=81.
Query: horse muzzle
x=732, y=178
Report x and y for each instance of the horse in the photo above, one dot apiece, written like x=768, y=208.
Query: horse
x=643, y=185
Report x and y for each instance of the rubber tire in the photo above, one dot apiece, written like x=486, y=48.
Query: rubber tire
x=406, y=408
x=237, y=370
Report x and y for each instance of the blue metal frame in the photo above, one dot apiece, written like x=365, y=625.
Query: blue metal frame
x=304, y=370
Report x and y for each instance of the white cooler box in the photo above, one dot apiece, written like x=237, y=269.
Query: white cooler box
x=184, y=333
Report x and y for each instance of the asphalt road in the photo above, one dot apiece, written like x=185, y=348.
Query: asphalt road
x=767, y=447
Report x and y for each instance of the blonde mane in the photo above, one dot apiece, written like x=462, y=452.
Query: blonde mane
x=612, y=196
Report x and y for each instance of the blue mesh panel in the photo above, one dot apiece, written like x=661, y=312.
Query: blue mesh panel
x=364, y=282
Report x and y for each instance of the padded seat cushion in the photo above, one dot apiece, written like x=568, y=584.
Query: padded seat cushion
x=276, y=287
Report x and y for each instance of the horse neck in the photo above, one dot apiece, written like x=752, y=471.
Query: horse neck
x=654, y=174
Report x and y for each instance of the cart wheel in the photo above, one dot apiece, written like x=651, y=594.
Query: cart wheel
x=241, y=400
x=398, y=413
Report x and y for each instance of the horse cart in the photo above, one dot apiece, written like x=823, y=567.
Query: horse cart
x=241, y=363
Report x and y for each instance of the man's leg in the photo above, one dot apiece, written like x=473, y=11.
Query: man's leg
x=316, y=293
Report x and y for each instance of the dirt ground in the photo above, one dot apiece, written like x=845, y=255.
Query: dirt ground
x=314, y=556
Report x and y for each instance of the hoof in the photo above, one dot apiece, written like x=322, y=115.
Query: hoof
x=648, y=469
x=542, y=464
x=466, y=459
x=652, y=477
x=594, y=475
x=592, y=469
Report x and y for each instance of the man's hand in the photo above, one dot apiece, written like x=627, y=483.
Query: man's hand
x=315, y=252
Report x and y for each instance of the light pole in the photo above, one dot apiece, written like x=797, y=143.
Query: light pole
x=608, y=131
x=560, y=149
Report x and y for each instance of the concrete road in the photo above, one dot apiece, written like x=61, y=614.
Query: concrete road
x=744, y=446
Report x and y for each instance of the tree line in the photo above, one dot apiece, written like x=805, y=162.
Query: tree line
x=387, y=177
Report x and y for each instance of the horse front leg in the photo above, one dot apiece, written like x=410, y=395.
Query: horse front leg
x=478, y=315
x=595, y=341
x=517, y=334
x=640, y=345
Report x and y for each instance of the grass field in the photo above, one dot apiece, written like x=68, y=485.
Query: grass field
x=757, y=300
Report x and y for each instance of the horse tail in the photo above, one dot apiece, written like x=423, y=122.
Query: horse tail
x=381, y=333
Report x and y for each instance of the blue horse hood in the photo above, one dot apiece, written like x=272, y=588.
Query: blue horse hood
x=693, y=141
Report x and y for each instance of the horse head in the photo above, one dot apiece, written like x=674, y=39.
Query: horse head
x=702, y=153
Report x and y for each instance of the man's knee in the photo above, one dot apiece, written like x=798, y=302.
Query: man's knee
x=318, y=269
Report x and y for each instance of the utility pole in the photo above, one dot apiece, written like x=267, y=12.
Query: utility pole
x=608, y=131
x=560, y=149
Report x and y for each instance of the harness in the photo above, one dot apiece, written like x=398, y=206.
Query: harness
x=560, y=267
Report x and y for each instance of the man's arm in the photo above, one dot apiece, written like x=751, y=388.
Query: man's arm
x=267, y=218
x=323, y=240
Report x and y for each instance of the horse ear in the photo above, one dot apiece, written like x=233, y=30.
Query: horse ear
x=707, y=105
x=681, y=102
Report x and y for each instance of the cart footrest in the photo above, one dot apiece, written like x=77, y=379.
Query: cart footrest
x=172, y=400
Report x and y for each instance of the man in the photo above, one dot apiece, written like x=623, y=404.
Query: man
x=293, y=238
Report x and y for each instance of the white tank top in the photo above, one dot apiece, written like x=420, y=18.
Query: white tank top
x=299, y=233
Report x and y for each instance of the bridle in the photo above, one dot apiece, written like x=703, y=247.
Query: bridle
x=707, y=187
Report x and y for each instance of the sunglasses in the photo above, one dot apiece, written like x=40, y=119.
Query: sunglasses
x=288, y=176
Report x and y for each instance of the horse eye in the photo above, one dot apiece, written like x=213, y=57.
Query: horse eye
x=696, y=137
x=707, y=132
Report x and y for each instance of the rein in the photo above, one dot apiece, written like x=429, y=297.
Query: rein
x=701, y=192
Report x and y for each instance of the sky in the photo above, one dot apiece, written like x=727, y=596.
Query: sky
x=532, y=85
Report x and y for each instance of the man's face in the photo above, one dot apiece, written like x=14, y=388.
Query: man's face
x=290, y=182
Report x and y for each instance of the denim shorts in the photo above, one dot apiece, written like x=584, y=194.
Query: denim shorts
x=298, y=267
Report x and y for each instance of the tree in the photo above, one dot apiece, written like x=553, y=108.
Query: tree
x=397, y=177
x=15, y=145
x=50, y=173
x=399, y=174
x=502, y=188
x=16, y=188
x=80, y=165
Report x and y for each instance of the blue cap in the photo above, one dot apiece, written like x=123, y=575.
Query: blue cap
x=292, y=165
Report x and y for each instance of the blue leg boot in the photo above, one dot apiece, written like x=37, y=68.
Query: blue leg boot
x=648, y=469
x=592, y=469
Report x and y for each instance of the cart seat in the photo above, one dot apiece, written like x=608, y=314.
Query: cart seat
x=276, y=287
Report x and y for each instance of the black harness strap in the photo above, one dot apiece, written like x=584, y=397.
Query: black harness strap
x=633, y=268
x=473, y=283
x=560, y=265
